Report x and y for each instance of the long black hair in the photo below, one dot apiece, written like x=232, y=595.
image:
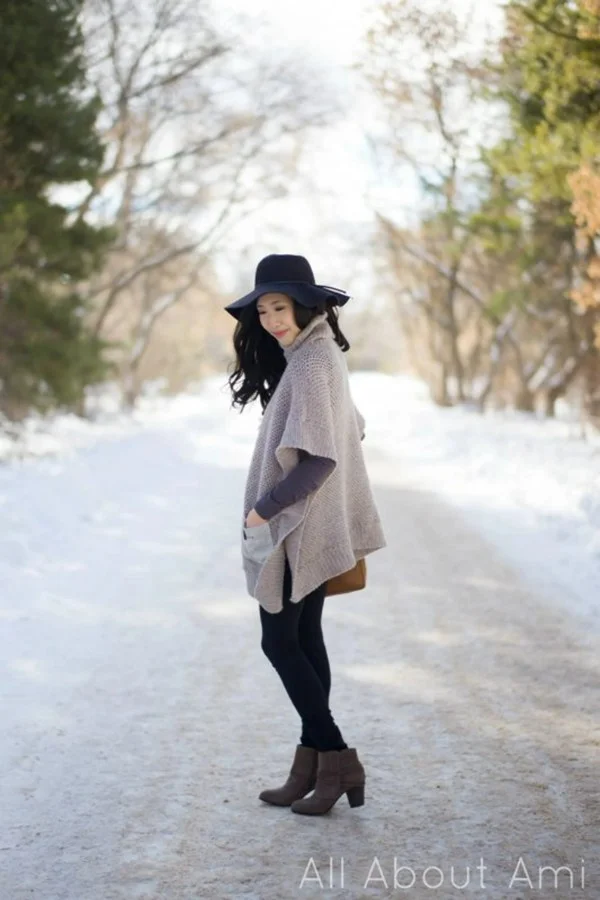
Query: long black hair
x=260, y=361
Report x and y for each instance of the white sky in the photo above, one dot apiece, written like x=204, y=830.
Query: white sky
x=345, y=184
x=330, y=28
x=335, y=28
x=331, y=31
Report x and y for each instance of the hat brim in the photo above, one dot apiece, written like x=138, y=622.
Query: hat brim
x=305, y=294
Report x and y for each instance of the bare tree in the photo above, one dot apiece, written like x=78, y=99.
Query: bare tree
x=200, y=131
x=421, y=67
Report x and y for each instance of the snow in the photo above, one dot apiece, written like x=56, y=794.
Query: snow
x=530, y=486
x=130, y=651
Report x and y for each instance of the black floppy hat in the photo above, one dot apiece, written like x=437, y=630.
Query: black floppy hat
x=288, y=274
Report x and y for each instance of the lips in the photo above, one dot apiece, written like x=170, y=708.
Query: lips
x=279, y=334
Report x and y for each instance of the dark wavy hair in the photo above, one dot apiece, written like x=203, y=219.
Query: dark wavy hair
x=260, y=361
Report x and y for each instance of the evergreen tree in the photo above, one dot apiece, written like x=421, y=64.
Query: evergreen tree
x=47, y=138
x=549, y=76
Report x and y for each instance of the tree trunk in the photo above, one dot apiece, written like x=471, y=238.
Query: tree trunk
x=439, y=389
x=591, y=395
x=524, y=400
x=451, y=312
x=547, y=401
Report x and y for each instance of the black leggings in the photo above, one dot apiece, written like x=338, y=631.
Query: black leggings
x=292, y=641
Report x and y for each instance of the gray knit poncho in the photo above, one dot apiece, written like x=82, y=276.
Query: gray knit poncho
x=325, y=533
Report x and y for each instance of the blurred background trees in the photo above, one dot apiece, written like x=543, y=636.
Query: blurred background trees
x=498, y=284
x=199, y=134
x=137, y=137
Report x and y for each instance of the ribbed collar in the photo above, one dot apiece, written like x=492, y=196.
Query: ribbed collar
x=317, y=326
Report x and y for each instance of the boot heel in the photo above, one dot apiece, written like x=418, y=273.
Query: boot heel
x=356, y=796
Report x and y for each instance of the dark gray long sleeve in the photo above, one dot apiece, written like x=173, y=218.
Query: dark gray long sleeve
x=307, y=476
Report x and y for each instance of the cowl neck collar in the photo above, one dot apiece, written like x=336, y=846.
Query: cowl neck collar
x=318, y=326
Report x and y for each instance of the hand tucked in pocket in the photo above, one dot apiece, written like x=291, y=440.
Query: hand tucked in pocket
x=253, y=519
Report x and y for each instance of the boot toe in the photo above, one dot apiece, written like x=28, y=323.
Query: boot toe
x=304, y=807
x=272, y=798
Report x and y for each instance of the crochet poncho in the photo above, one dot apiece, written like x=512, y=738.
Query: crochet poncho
x=325, y=533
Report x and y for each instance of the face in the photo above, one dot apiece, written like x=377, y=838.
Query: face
x=276, y=315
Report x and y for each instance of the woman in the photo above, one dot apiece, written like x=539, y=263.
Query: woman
x=309, y=512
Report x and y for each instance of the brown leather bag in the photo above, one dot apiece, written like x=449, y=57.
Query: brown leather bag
x=355, y=579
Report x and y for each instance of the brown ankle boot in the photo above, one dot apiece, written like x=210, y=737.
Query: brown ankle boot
x=300, y=781
x=338, y=772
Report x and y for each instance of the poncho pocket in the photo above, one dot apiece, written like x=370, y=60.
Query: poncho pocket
x=257, y=542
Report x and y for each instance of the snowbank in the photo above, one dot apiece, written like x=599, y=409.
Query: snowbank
x=531, y=487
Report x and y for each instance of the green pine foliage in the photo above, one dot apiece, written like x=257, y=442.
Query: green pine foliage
x=550, y=79
x=47, y=138
x=548, y=75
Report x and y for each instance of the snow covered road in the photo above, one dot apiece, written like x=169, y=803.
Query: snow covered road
x=141, y=719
